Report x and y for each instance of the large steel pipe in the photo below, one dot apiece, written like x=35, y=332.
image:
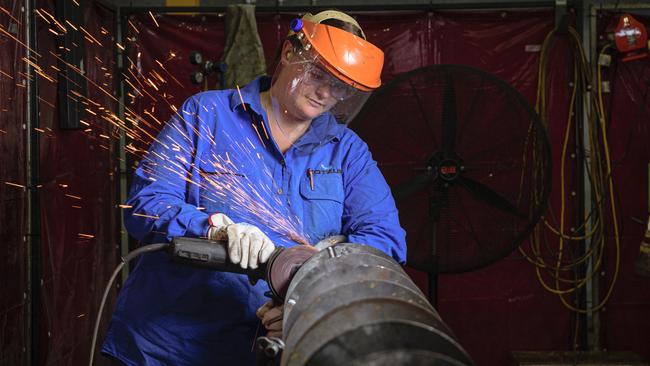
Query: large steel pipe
x=351, y=304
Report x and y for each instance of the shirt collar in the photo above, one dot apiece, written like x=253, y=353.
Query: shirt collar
x=249, y=95
x=323, y=128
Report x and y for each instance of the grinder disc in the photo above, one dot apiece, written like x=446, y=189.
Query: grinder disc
x=283, y=266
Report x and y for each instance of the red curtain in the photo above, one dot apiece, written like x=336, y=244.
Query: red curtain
x=13, y=188
x=79, y=213
x=626, y=323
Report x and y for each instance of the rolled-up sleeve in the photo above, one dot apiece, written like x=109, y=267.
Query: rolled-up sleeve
x=369, y=215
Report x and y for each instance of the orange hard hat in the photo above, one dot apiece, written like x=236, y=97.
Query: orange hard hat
x=349, y=58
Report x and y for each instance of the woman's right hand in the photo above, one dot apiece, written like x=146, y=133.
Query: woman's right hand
x=247, y=244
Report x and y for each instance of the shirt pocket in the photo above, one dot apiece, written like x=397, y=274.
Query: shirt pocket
x=323, y=196
x=219, y=184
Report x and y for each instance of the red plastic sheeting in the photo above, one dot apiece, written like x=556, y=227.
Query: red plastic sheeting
x=13, y=254
x=626, y=322
x=79, y=208
x=159, y=52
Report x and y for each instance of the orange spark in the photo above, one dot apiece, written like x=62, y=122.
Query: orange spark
x=54, y=20
x=133, y=26
x=169, y=74
x=15, y=185
x=3, y=31
x=48, y=14
x=72, y=25
x=151, y=115
x=147, y=216
x=258, y=135
x=152, y=84
x=154, y=19
x=42, y=16
x=241, y=98
x=157, y=76
x=5, y=74
x=44, y=75
x=11, y=16
x=265, y=133
x=90, y=35
x=46, y=102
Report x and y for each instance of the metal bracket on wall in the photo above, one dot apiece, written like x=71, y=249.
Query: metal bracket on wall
x=71, y=85
x=561, y=18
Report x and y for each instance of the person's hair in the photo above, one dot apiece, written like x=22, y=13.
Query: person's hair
x=293, y=38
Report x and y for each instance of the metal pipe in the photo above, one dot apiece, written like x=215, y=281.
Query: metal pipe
x=352, y=304
x=122, y=170
x=32, y=229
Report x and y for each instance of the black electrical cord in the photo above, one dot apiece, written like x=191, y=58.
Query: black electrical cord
x=125, y=259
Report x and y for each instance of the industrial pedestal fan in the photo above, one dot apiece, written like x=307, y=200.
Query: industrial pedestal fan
x=468, y=162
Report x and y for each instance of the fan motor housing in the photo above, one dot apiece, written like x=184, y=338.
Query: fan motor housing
x=447, y=169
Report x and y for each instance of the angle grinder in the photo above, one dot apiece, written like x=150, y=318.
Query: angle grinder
x=277, y=271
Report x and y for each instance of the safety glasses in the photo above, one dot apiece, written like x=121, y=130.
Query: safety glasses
x=318, y=77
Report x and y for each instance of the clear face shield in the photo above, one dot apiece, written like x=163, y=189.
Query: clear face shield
x=304, y=89
x=324, y=69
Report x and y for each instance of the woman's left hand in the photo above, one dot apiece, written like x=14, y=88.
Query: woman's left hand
x=271, y=316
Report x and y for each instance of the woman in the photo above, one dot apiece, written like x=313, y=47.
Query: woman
x=269, y=165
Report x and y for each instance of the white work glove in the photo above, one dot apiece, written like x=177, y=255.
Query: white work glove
x=247, y=244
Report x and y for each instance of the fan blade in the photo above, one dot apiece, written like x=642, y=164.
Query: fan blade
x=408, y=188
x=491, y=197
x=449, y=118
